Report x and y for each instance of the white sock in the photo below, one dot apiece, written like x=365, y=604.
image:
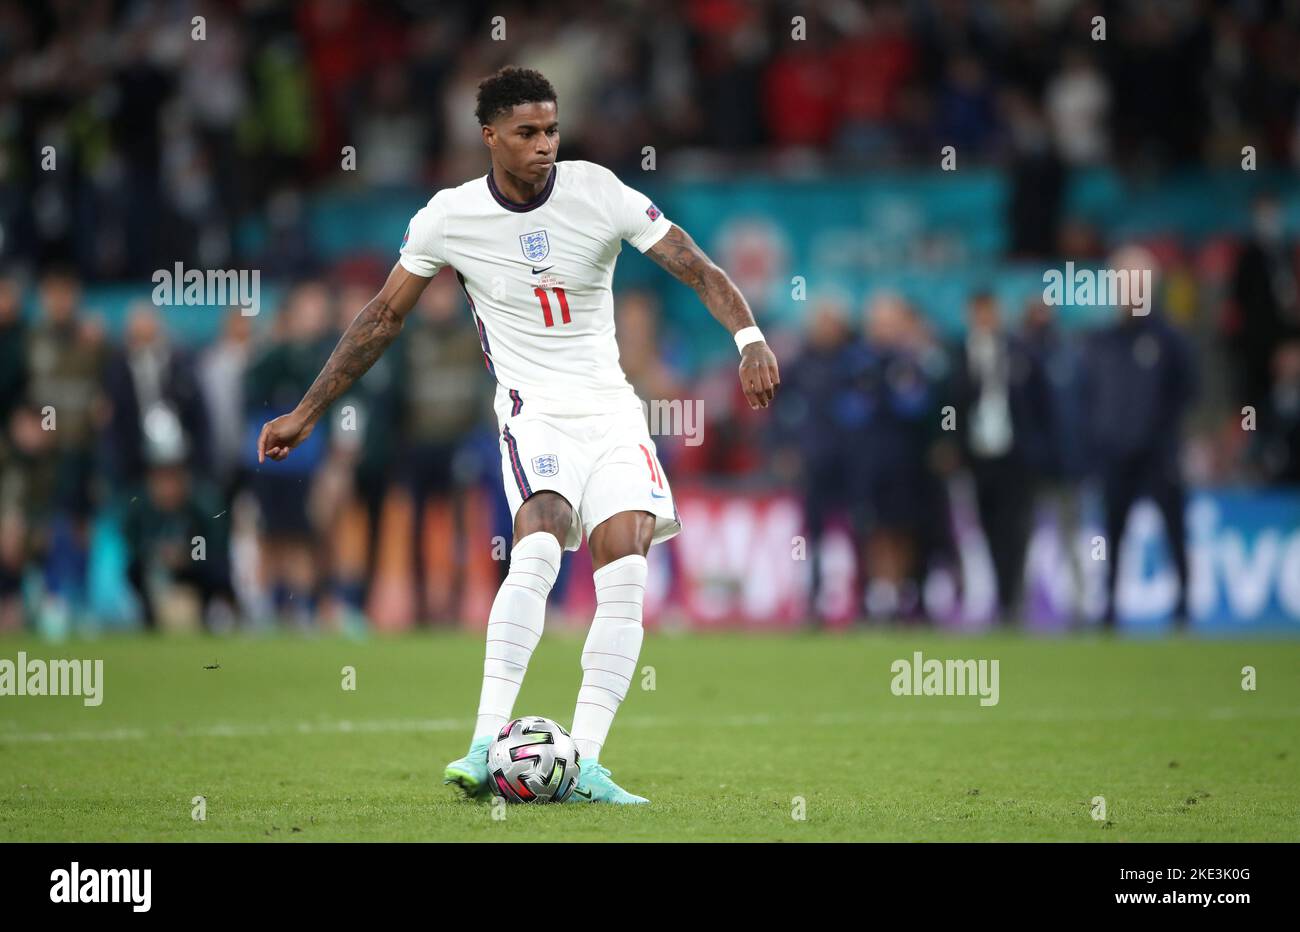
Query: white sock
x=515, y=626
x=609, y=656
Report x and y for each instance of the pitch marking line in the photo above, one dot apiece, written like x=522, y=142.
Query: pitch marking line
x=391, y=726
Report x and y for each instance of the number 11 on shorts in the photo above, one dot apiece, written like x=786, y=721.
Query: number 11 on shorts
x=654, y=469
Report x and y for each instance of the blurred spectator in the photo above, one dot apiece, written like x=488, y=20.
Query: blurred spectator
x=1278, y=446
x=1141, y=383
x=221, y=373
x=815, y=419
x=149, y=373
x=1037, y=180
x=1056, y=453
x=799, y=92
x=291, y=530
x=177, y=537
x=363, y=447
x=66, y=354
x=889, y=456
x=872, y=68
x=13, y=349
x=13, y=495
x=998, y=394
x=966, y=113
x=392, y=137
x=445, y=392
x=640, y=346
x=1265, y=289
x=1077, y=103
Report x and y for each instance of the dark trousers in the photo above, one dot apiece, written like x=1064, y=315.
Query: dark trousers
x=824, y=496
x=431, y=478
x=1005, y=502
x=1124, y=483
x=212, y=583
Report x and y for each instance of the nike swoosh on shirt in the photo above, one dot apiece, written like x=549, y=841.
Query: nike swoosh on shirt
x=654, y=494
x=540, y=271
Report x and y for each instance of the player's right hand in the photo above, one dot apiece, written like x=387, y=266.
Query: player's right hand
x=281, y=435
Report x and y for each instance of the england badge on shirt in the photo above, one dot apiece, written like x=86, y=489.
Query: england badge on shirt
x=536, y=246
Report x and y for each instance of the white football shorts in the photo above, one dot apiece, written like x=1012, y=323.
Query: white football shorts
x=602, y=464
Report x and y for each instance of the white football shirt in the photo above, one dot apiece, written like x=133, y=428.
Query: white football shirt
x=538, y=277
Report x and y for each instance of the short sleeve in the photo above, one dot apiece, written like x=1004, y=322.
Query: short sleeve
x=423, y=245
x=636, y=219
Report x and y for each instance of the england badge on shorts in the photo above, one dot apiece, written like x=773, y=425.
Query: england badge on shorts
x=536, y=246
x=548, y=464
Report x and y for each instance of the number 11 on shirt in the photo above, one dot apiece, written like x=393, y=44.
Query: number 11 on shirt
x=546, y=305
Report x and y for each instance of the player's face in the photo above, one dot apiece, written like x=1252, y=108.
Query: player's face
x=526, y=141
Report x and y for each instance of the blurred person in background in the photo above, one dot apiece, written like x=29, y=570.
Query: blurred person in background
x=177, y=535
x=149, y=372
x=647, y=360
x=222, y=369
x=813, y=426
x=363, y=445
x=936, y=546
x=28, y=476
x=13, y=389
x=391, y=131
x=1056, y=454
x=66, y=354
x=1077, y=102
x=13, y=349
x=998, y=392
x=1267, y=297
x=291, y=532
x=1277, y=447
x=641, y=351
x=1141, y=381
x=445, y=394
x=1037, y=179
x=889, y=456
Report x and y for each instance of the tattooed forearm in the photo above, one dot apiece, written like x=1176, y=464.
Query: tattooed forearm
x=679, y=254
x=365, y=340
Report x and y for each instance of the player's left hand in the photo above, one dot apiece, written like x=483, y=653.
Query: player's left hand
x=759, y=376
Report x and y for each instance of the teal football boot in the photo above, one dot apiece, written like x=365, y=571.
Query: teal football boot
x=470, y=773
x=595, y=786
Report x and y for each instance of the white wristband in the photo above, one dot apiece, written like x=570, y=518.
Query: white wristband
x=748, y=335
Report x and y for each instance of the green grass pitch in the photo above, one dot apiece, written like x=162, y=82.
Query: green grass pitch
x=736, y=728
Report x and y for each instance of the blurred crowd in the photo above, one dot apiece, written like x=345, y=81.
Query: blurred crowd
x=878, y=417
x=164, y=143
x=883, y=417
x=160, y=438
x=165, y=146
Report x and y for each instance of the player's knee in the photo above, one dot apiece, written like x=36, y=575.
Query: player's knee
x=547, y=512
x=624, y=535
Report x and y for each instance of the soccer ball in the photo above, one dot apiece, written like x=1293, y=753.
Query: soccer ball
x=533, y=759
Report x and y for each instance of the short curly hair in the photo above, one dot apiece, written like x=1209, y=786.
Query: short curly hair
x=510, y=86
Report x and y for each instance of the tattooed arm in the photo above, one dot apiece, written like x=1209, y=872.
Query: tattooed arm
x=369, y=334
x=679, y=254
